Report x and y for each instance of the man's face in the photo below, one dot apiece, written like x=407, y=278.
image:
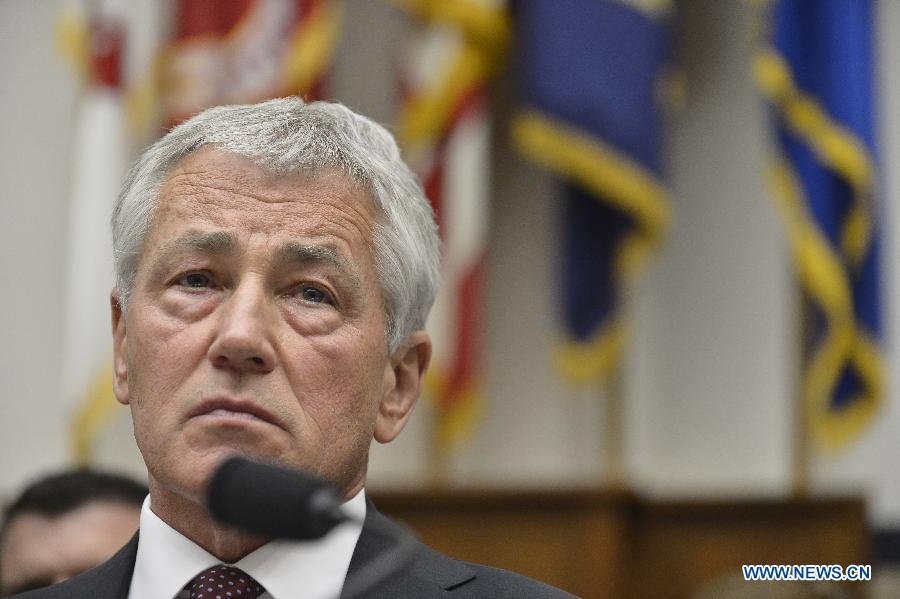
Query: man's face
x=256, y=326
x=41, y=550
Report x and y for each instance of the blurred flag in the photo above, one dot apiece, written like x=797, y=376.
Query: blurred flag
x=113, y=45
x=818, y=74
x=591, y=74
x=244, y=51
x=444, y=131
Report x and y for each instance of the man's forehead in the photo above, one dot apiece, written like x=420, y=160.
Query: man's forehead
x=213, y=185
x=212, y=167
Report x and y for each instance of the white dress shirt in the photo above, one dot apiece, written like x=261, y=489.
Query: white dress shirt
x=167, y=560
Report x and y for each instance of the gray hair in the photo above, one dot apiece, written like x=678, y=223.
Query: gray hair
x=288, y=135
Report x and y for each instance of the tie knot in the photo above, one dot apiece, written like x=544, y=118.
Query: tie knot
x=224, y=582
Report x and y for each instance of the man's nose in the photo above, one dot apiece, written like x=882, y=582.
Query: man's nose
x=244, y=340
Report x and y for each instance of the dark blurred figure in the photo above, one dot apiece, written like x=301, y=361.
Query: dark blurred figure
x=64, y=524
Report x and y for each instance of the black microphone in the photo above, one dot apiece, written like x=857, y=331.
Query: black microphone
x=273, y=501
x=292, y=504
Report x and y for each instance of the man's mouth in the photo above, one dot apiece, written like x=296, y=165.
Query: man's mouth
x=233, y=414
x=225, y=407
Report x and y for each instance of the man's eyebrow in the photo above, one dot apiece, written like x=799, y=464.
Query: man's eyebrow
x=311, y=254
x=213, y=242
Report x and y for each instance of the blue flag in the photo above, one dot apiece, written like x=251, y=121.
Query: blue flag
x=590, y=74
x=818, y=73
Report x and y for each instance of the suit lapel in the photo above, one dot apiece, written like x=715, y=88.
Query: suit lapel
x=428, y=575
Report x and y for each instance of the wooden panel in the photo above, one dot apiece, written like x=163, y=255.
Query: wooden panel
x=572, y=541
x=615, y=544
x=682, y=546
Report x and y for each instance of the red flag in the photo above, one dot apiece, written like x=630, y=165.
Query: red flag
x=444, y=131
x=244, y=51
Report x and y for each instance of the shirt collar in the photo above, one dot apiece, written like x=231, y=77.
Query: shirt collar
x=167, y=560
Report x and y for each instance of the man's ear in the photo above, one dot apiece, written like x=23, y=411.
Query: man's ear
x=403, y=384
x=120, y=370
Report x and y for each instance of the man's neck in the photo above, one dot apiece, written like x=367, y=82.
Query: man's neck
x=192, y=520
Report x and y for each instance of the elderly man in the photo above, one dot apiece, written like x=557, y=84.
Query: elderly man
x=275, y=267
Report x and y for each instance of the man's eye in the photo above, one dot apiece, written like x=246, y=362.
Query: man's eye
x=313, y=295
x=197, y=280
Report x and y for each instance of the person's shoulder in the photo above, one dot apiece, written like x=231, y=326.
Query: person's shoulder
x=476, y=581
x=430, y=573
x=496, y=582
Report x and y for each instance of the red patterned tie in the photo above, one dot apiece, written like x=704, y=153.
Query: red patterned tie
x=224, y=582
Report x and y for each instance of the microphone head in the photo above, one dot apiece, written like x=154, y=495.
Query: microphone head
x=272, y=500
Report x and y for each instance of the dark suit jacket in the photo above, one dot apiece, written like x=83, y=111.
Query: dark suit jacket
x=428, y=575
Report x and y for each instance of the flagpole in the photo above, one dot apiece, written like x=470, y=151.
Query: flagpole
x=801, y=459
x=613, y=442
x=437, y=455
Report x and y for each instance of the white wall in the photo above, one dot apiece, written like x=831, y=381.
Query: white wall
x=36, y=99
x=709, y=380
x=712, y=364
